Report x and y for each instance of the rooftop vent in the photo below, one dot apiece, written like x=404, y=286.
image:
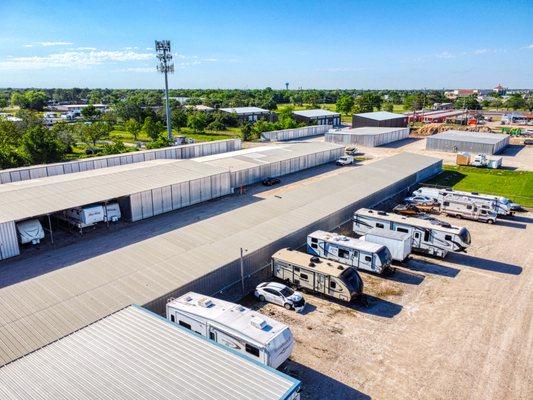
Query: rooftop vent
x=315, y=259
x=340, y=267
x=311, y=264
x=258, y=322
x=382, y=213
x=205, y=302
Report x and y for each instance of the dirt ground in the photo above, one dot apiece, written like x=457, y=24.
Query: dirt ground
x=459, y=328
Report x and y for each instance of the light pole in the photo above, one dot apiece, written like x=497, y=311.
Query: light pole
x=242, y=269
x=162, y=48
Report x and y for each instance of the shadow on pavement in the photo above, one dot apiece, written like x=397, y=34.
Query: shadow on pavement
x=430, y=268
x=484, y=264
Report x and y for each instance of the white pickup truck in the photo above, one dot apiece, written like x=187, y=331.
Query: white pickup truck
x=345, y=160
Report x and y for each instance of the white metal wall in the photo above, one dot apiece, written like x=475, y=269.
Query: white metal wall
x=175, y=152
x=297, y=133
x=368, y=140
x=158, y=201
x=9, y=246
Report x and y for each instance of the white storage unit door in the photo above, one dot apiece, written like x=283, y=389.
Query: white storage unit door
x=9, y=246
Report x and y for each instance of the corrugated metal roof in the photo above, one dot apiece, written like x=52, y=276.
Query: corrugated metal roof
x=380, y=115
x=466, y=136
x=35, y=197
x=315, y=113
x=135, y=354
x=244, y=110
x=367, y=130
x=37, y=311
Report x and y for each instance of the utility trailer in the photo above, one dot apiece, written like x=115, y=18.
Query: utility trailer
x=248, y=332
x=400, y=244
x=356, y=253
x=317, y=274
x=430, y=236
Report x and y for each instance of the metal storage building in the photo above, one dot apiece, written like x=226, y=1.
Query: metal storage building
x=318, y=116
x=379, y=119
x=472, y=142
x=253, y=165
x=202, y=256
x=294, y=134
x=249, y=114
x=135, y=354
x=174, y=152
x=369, y=137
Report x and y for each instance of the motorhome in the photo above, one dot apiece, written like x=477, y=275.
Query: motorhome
x=30, y=231
x=468, y=210
x=430, y=236
x=83, y=217
x=248, y=332
x=317, y=274
x=500, y=205
x=400, y=244
x=356, y=253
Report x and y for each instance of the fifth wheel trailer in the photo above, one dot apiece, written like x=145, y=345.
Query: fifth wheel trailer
x=248, y=332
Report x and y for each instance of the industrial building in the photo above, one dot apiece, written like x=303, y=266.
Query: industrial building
x=317, y=117
x=135, y=354
x=174, y=152
x=294, y=134
x=472, y=142
x=379, y=119
x=247, y=114
x=369, y=137
x=202, y=256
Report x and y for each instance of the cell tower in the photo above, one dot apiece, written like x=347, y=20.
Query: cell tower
x=162, y=48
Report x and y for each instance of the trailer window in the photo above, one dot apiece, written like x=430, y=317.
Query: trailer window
x=172, y=318
x=426, y=236
x=417, y=235
x=469, y=207
x=402, y=230
x=296, y=269
x=344, y=253
x=304, y=277
x=368, y=258
x=448, y=237
x=378, y=225
x=314, y=240
x=184, y=324
x=333, y=284
x=252, y=350
x=446, y=203
x=314, y=245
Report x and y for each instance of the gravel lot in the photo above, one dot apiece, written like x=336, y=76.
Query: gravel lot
x=459, y=328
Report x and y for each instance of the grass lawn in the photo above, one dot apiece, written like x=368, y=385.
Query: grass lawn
x=516, y=185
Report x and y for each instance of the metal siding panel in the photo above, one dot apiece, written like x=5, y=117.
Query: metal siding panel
x=147, y=207
x=9, y=246
x=176, y=196
x=166, y=194
x=157, y=201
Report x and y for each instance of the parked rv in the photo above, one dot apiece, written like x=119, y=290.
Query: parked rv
x=468, y=210
x=83, y=217
x=280, y=294
x=30, y=231
x=398, y=243
x=112, y=212
x=429, y=237
x=356, y=253
x=248, y=332
x=317, y=274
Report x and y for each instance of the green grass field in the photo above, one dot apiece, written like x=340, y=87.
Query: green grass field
x=516, y=185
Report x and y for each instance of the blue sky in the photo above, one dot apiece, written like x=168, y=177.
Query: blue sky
x=254, y=44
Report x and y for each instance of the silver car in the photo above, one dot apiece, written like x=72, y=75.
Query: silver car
x=280, y=294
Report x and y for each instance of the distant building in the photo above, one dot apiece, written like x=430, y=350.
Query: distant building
x=76, y=108
x=442, y=106
x=180, y=99
x=379, y=119
x=317, y=117
x=499, y=89
x=200, y=107
x=454, y=94
x=248, y=114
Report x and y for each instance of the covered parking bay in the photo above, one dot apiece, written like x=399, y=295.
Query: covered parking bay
x=203, y=255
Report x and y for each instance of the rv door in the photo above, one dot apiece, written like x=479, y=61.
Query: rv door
x=417, y=238
x=320, y=283
x=365, y=261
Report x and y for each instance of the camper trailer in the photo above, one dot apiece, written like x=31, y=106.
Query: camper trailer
x=83, y=217
x=112, y=212
x=317, y=274
x=430, y=236
x=30, y=231
x=398, y=243
x=468, y=210
x=248, y=332
x=356, y=253
x=500, y=205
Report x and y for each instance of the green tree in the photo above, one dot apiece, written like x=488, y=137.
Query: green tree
x=42, y=145
x=413, y=102
x=516, y=102
x=152, y=128
x=179, y=118
x=35, y=99
x=497, y=103
x=90, y=112
x=3, y=101
x=468, y=102
x=345, y=104
x=367, y=101
x=90, y=134
x=115, y=147
x=65, y=133
x=18, y=100
x=197, y=121
x=246, y=132
x=387, y=107
x=133, y=128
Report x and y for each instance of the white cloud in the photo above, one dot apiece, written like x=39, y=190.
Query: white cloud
x=340, y=69
x=85, y=48
x=49, y=44
x=137, y=69
x=444, y=54
x=529, y=47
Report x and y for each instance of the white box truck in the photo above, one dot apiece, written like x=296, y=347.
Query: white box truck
x=30, y=231
x=399, y=243
x=248, y=332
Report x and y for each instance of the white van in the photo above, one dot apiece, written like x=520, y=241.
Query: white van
x=30, y=231
x=248, y=332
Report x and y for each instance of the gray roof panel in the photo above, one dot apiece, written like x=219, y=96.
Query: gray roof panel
x=380, y=115
x=466, y=136
x=316, y=113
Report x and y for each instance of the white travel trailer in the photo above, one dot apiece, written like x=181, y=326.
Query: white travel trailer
x=356, y=253
x=112, y=212
x=500, y=205
x=429, y=236
x=248, y=332
x=468, y=210
x=30, y=231
x=398, y=243
x=83, y=217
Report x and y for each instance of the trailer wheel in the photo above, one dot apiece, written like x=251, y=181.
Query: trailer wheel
x=287, y=306
x=261, y=298
x=490, y=221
